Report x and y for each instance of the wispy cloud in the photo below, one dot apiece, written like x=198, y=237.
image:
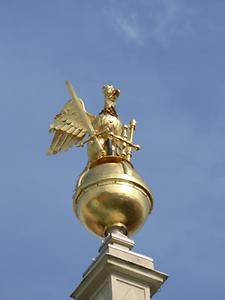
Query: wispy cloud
x=160, y=21
x=129, y=29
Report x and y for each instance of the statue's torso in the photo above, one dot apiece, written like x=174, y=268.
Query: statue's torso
x=107, y=121
x=104, y=123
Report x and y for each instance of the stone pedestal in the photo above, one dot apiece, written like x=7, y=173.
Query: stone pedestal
x=119, y=273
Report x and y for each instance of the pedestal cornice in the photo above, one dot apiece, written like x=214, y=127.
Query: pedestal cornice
x=117, y=263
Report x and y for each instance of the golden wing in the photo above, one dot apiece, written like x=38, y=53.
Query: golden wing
x=69, y=127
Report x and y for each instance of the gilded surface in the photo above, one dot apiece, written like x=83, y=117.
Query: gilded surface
x=104, y=134
x=109, y=193
x=112, y=194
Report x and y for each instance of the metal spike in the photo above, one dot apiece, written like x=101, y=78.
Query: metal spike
x=55, y=141
x=66, y=142
x=61, y=142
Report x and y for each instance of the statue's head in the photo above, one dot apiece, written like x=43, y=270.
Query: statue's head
x=110, y=93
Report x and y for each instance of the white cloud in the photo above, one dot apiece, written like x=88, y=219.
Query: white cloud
x=157, y=20
x=128, y=29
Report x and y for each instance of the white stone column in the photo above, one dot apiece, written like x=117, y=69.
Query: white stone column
x=119, y=273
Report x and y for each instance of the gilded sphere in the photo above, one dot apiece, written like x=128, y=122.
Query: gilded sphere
x=111, y=193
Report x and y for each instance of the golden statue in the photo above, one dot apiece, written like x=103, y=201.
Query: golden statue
x=109, y=193
x=107, y=135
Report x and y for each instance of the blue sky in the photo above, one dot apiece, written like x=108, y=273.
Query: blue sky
x=168, y=59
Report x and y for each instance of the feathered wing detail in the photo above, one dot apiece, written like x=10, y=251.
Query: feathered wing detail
x=69, y=128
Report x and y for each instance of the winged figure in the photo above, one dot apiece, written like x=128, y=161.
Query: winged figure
x=104, y=133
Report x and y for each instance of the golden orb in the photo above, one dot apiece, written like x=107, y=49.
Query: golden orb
x=109, y=194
